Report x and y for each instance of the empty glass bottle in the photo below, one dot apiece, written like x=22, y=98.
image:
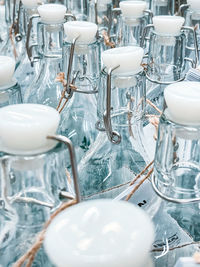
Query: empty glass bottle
x=117, y=158
x=166, y=61
x=35, y=172
x=131, y=22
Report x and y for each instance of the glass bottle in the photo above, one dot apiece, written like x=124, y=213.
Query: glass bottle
x=131, y=22
x=10, y=91
x=35, y=174
x=14, y=45
x=44, y=89
x=166, y=61
x=176, y=172
x=192, y=19
x=28, y=67
x=78, y=8
x=162, y=7
x=115, y=159
x=81, y=59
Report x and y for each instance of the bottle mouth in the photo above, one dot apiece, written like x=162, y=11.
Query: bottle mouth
x=133, y=9
x=25, y=127
x=127, y=60
x=168, y=25
x=52, y=13
x=84, y=32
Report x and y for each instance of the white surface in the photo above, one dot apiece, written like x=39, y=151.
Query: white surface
x=24, y=128
x=129, y=58
x=194, y=4
x=85, y=31
x=183, y=102
x=133, y=9
x=168, y=25
x=186, y=262
x=7, y=68
x=30, y=3
x=52, y=13
x=100, y=233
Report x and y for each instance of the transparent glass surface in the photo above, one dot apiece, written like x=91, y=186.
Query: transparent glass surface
x=166, y=57
x=106, y=164
x=78, y=8
x=177, y=160
x=10, y=96
x=26, y=71
x=171, y=239
x=34, y=185
x=162, y=7
x=192, y=19
x=104, y=14
x=129, y=30
x=78, y=118
x=86, y=64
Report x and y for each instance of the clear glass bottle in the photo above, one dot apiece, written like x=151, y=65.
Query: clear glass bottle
x=131, y=22
x=78, y=8
x=162, y=7
x=192, y=19
x=167, y=60
x=35, y=173
x=176, y=168
x=80, y=114
x=115, y=159
x=14, y=45
x=10, y=91
x=44, y=89
x=28, y=67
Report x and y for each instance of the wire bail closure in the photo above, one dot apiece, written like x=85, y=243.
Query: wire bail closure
x=114, y=137
x=68, y=143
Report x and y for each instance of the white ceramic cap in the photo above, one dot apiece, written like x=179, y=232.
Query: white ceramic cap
x=194, y=4
x=85, y=30
x=100, y=233
x=7, y=68
x=52, y=13
x=132, y=9
x=168, y=25
x=24, y=128
x=128, y=57
x=183, y=102
x=30, y=3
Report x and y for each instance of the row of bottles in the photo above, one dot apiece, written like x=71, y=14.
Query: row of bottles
x=65, y=63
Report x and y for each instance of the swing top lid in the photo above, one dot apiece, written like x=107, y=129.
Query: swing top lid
x=128, y=58
x=100, y=233
x=24, y=128
x=52, y=13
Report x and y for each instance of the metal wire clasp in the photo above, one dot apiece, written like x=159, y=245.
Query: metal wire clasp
x=113, y=137
x=68, y=143
x=145, y=33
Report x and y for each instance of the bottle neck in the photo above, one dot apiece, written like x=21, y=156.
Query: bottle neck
x=128, y=99
x=50, y=40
